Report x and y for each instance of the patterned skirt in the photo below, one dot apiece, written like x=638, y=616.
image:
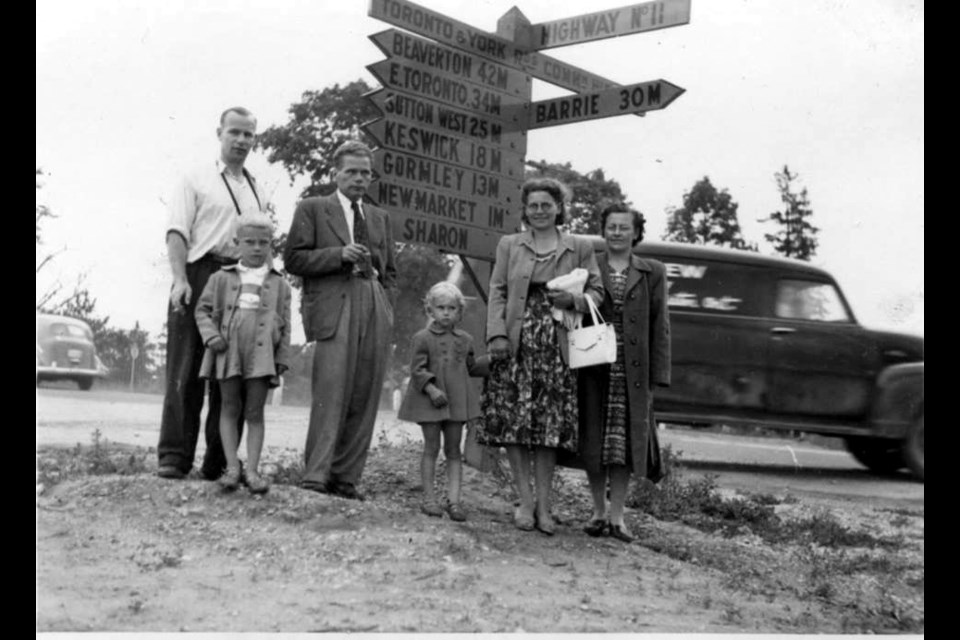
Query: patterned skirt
x=616, y=440
x=531, y=399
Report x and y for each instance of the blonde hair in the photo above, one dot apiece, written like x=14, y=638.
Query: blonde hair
x=256, y=220
x=443, y=290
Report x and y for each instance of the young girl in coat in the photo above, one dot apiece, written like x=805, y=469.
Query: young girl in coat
x=244, y=319
x=440, y=396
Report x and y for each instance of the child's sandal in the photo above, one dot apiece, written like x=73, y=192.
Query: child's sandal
x=256, y=483
x=456, y=512
x=431, y=509
x=230, y=479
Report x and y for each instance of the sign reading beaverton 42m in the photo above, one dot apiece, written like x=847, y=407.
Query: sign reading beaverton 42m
x=456, y=108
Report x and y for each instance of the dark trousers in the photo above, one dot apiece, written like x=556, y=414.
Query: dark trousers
x=183, y=402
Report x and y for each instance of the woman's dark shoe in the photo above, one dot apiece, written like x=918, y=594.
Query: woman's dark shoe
x=596, y=527
x=456, y=512
x=620, y=533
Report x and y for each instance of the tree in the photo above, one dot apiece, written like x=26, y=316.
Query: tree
x=796, y=238
x=78, y=303
x=592, y=191
x=707, y=216
x=318, y=124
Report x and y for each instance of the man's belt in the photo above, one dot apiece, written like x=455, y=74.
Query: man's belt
x=212, y=257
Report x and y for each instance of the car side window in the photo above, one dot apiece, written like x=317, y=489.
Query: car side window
x=809, y=300
x=708, y=286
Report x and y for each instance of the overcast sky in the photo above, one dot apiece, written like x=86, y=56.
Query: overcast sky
x=129, y=92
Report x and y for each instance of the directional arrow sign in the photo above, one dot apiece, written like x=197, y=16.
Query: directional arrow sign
x=446, y=236
x=634, y=98
x=413, y=17
x=448, y=206
x=427, y=143
x=400, y=106
x=396, y=44
x=636, y=18
x=431, y=84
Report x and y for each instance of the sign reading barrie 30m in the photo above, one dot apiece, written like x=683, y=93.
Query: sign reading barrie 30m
x=452, y=140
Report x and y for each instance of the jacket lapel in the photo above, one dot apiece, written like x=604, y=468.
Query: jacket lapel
x=337, y=219
x=638, y=271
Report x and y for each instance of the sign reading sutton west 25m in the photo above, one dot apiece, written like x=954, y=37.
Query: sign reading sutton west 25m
x=456, y=107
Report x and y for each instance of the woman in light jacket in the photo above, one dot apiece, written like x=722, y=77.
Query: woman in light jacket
x=530, y=399
x=618, y=435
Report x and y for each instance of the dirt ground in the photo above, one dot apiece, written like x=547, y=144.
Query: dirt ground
x=121, y=550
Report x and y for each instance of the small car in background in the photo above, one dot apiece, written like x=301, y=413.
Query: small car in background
x=65, y=351
x=771, y=342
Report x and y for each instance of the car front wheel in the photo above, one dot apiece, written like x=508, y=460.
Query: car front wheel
x=880, y=455
x=85, y=384
x=913, y=448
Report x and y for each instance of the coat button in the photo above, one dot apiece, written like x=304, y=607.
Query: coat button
x=633, y=341
x=633, y=318
x=260, y=344
x=636, y=384
x=636, y=363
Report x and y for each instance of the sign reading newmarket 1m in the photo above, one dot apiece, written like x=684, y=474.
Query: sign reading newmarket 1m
x=457, y=106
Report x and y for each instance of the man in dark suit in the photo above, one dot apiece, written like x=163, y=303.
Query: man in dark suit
x=343, y=249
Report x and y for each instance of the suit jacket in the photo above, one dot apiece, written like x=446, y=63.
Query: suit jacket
x=317, y=236
x=217, y=304
x=510, y=280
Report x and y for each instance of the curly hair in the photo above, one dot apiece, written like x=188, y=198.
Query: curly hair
x=639, y=222
x=556, y=189
x=443, y=290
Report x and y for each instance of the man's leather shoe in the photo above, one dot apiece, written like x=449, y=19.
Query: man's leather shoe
x=170, y=472
x=345, y=490
x=315, y=486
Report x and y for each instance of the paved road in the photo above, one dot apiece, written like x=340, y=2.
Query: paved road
x=68, y=416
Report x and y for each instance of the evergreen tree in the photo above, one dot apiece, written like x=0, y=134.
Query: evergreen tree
x=796, y=237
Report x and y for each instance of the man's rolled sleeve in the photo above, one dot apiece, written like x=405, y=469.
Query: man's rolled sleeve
x=182, y=210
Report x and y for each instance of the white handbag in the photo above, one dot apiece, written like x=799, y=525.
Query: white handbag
x=592, y=345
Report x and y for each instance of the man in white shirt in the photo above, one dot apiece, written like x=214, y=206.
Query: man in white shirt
x=203, y=213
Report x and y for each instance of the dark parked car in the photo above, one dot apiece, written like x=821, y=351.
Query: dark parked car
x=772, y=342
x=65, y=351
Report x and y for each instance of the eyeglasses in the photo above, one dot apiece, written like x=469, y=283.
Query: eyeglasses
x=541, y=206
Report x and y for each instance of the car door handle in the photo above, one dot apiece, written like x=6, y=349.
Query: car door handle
x=782, y=330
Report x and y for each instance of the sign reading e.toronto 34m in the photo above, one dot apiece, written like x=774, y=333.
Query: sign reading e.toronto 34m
x=456, y=108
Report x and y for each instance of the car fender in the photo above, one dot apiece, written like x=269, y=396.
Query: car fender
x=898, y=399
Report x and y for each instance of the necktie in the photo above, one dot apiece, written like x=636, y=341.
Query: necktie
x=360, y=236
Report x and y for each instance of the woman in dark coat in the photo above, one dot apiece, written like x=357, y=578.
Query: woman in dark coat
x=618, y=434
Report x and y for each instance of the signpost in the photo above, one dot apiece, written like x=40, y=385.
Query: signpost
x=456, y=107
x=637, y=18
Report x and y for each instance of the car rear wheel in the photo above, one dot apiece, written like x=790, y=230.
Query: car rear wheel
x=877, y=454
x=85, y=384
x=913, y=448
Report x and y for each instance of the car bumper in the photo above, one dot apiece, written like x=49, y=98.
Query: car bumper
x=68, y=372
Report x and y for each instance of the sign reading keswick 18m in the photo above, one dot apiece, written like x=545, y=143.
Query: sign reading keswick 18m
x=457, y=107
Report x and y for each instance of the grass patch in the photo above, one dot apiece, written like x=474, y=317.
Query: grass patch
x=100, y=457
x=700, y=504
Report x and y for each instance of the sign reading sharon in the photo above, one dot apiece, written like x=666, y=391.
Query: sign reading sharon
x=637, y=18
